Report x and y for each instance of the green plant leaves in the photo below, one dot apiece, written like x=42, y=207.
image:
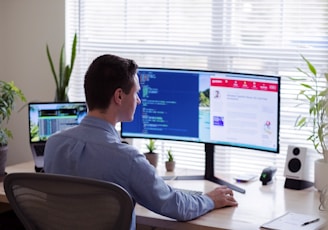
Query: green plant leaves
x=9, y=92
x=64, y=72
x=151, y=145
x=315, y=97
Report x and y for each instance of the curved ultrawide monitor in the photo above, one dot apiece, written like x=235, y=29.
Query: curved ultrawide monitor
x=221, y=108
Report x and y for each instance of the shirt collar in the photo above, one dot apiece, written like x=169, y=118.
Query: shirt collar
x=100, y=124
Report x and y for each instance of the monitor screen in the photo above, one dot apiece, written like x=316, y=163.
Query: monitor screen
x=220, y=108
x=46, y=118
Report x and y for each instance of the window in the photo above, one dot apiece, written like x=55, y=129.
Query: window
x=251, y=36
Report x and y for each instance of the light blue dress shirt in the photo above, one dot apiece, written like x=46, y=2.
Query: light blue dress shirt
x=94, y=149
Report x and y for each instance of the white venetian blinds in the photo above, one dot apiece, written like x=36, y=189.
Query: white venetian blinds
x=251, y=36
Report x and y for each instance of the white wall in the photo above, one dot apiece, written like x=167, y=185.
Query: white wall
x=26, y=26
x=2, y=21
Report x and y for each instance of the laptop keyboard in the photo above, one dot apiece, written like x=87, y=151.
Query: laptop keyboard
x=39, y=150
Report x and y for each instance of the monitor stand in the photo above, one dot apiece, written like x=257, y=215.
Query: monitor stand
x=209, y=171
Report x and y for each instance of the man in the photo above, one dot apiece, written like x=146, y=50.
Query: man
x=94, y=149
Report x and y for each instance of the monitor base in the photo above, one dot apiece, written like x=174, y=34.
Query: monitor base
x=214, y=180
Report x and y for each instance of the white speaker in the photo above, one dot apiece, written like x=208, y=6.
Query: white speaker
x=297, y=170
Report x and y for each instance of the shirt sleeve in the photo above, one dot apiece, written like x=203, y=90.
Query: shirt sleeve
x=151, y=191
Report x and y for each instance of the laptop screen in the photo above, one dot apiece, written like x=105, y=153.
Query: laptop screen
x=46, y=118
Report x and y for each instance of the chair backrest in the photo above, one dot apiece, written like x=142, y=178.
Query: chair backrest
x=47, y=201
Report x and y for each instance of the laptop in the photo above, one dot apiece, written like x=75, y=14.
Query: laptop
x=47, y=118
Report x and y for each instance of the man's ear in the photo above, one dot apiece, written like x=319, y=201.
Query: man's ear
x=118, y=96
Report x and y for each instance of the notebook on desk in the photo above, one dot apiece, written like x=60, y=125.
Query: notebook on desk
x=292, y=221
x=47, y=118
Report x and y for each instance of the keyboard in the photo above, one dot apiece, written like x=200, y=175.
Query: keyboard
x=189, y=191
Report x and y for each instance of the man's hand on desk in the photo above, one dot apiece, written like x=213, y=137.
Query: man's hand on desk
x=222, y=197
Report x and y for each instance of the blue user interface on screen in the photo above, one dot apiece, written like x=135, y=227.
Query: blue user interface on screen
x=165, y=97
x=221, y=108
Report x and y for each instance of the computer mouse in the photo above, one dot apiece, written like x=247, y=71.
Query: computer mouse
x=267, y=175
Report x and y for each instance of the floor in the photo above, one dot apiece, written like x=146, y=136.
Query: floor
x=8, y=219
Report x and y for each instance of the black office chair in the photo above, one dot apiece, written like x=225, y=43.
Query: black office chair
x=47, y=201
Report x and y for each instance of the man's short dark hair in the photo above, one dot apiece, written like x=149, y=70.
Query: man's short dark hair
x=106, y=74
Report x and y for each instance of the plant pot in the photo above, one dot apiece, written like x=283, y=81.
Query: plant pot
x=3, y=160
x=152, y=158
x=170, y=165
x=320, y=174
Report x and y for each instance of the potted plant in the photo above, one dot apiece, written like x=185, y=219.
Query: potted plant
x=170, y=163
x=151, y=155
x=8, y=94
x=315, y=97
x=64, y=73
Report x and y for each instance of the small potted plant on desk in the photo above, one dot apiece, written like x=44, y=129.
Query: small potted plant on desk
x=170, y=163
x=151, y=155
x=8, y=93
x=315, y=98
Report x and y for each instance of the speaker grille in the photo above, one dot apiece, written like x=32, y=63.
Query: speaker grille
x=294, y=165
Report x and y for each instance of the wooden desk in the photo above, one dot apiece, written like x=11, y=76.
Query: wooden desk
x=259, y=205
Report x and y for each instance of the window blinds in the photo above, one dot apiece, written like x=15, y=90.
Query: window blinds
x=250, y=36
